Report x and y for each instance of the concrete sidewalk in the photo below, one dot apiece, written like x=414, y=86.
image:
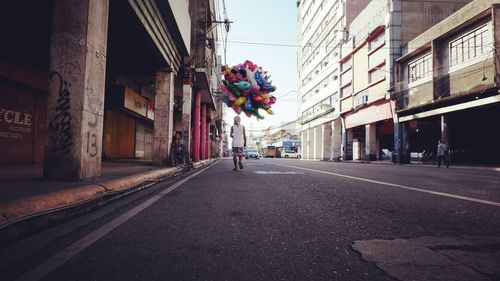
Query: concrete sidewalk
x=24, y=194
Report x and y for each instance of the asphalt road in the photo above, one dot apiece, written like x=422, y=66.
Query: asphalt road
x=281, y=220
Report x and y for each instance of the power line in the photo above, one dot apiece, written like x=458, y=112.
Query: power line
x=315, y=46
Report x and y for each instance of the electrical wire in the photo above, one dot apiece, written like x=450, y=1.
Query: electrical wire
x=250, y=43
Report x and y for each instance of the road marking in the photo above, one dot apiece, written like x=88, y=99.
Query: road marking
x=465, y=198
x=72, y=250
x=277, y=173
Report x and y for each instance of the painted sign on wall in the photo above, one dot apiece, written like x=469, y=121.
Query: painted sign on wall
x=135, y=102
x=138, y=104
x=13, y=123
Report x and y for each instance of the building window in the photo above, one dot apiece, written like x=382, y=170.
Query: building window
x=347, y=64
x=335, y=98
x=376, y=42
x=376, y=74
x=420, y=68
x=346, y=91
x=469, y=46
x=326, y=103
x=346, y=77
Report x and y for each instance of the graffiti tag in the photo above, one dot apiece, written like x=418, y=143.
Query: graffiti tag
x=61, y=123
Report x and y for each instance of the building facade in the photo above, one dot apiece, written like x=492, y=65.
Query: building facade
x=86, y=81
x=447, y=87
x=322, y=29
x=346, y=66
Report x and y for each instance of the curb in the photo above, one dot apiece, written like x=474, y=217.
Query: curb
x=22, y=209
x=56, y=205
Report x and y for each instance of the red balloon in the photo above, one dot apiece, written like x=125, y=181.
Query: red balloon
x=258, y=98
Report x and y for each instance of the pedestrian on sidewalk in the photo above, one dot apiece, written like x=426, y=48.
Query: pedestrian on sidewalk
x=442, y=154
x=239, y=142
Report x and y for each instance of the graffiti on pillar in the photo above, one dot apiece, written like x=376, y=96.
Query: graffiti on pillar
x=92, y=138
x=70, y=68
x=61, y=122
x=91, y=144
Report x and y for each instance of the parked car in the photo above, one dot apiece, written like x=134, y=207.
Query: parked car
x=290, y=154
x=252, y=153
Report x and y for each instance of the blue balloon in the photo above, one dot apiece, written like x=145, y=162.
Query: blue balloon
x=248, y=104
x=242, y=85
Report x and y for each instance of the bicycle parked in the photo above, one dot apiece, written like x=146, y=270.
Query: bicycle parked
x=180, y=156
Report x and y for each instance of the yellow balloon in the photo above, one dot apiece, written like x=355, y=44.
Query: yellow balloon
x=270, y=111
x=239, y=101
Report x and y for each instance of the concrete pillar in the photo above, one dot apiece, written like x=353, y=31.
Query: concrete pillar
x=371, y=142
x=401, y=154
x=75, y=104
x=302, y=144
x=308, y=144
x=208, y=142
x=164, y=117
x=346, y=142
x=326, y=131
x=186, y=116
x=317, y=142
x=444, y=130
x=203, y=131
x=336, y=139
x=347, y=139
x=314, y=143
x=196, y=127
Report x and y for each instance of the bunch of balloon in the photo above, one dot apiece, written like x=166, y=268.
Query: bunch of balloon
x=246, y=88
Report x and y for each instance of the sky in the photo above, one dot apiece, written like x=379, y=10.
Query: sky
x=268, y=22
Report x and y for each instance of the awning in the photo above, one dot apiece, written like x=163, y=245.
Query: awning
x=373, y=113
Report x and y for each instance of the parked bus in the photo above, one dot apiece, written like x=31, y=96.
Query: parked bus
x=270, y=151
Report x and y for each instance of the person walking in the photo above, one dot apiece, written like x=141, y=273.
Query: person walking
x=442, y=153
x=239, y=137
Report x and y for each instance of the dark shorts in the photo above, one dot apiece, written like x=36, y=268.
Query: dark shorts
x=237, y=151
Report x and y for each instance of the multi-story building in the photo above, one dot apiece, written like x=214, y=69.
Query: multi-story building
x=368, y=53
x=322, y=29
x=205, y=62
x=87, y=80
x=447, y=86
x=345, y=61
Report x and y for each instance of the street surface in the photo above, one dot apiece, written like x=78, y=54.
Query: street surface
x=281, y=219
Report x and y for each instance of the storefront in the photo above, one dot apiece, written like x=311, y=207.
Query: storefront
x=469, y=134
x=128, y=126
x=369, y=132
x=22, y=119
x=24, y=79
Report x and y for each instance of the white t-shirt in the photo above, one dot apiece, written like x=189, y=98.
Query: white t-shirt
x=441, y=150
x=238, y=140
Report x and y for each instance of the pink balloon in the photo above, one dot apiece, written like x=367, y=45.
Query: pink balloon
x=272, y=100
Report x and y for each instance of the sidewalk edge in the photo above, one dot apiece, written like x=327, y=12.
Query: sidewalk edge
x=26, y=208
